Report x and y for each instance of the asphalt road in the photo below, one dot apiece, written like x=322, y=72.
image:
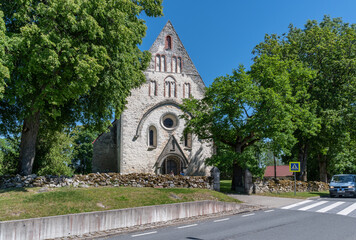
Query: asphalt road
x=324, y=218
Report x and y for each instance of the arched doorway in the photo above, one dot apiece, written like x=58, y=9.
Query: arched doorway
x=171, y=164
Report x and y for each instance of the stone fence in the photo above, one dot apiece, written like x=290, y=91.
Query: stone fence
x=107, y=179
x=277, y=186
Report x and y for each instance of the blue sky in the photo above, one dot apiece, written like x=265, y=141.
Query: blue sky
x=220, y=34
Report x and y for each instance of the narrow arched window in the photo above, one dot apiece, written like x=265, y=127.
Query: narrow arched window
x=173, y=89
x=168, y=43
x=170, y=89
x=152, y=137
x=152, y=90
x=174, y=64
x=163, y=63
x=158, y=63
x=179, y=65
x=188, y=140
x=186, y=90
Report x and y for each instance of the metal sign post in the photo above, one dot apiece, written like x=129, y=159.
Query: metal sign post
x=295, y=183
x=294, y=167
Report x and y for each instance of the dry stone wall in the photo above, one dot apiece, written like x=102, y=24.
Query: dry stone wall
x=107, y=179
x=278, y=186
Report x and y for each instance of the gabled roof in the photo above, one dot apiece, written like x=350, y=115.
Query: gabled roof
x=282, y=171
x=178, y=49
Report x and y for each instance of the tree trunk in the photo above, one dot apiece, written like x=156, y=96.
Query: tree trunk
x=238, y=176
x=302, y=158
x=29, y=134
x=323, y=168
x=275, y=166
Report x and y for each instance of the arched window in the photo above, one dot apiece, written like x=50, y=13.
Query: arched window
x=186, y=90
x=174, y=64
x=158, y=63
x=179, y=65
x=152, y=90
x=163, y=63
x=168, y=43
x=170, y=89
x=188, y=140
x=152, y=137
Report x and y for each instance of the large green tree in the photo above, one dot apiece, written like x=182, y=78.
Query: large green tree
x=241, y=109
x=328, y=49
x=70, y=60
x=4, y=71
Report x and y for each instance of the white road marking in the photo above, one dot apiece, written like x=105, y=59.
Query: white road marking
x=269, y=211
x=248, y=215
x=328, y=208
x=187, y=226
x=221, y=220
x=296, y=204
x=312, y=206
x=142, y=234
x=347, y=210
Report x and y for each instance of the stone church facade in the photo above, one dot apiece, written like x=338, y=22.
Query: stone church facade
x=148, y=137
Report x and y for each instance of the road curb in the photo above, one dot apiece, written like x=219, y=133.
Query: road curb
x=91, y=222
x=244, y=208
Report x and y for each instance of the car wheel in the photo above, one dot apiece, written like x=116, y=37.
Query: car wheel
x=332, y=196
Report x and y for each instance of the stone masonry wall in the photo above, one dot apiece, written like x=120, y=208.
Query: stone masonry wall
x=106, y=179
x=278, y=186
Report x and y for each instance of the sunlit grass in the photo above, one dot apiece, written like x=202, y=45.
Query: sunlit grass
x=29, y=203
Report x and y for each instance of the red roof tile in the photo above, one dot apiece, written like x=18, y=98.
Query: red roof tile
x=282, y=171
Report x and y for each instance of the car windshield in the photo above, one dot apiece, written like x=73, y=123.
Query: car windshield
x=341, y=179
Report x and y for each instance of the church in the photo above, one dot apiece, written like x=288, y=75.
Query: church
x=149, y=135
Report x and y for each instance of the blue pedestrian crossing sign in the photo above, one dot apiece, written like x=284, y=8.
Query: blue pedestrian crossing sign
x=294, y=166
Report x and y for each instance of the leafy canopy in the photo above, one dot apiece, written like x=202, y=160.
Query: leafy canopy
x=73, y=59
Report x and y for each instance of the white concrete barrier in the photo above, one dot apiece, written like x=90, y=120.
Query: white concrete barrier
x=82, y=223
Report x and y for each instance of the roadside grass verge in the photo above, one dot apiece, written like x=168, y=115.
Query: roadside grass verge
x=225, y=187
x=22, y=203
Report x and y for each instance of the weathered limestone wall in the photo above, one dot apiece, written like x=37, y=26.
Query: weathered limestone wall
x=136, y=156
x=105, y=151
x=107, y=179
x=278, y=186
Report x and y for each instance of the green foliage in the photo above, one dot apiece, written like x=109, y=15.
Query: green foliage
x=71, y=60
x=9, y=155
x=4, y=71
x=244, y=108
x=248, y=159
x=325, y=56
x=83, y=149
x=344, y=162
x=54, y=153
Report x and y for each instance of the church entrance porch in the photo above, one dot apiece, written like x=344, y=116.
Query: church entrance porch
x=172, y=164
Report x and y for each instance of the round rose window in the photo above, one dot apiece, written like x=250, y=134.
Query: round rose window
x=169, y=121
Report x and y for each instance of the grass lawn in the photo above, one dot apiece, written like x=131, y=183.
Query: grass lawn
x=21, y=203
x=225, y=187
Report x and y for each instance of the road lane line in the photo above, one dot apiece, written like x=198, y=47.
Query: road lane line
x=269, y=210
x=296, y=204
x=221, y=220
x=347, y=210
x=312, y=206
x=247, y=215
x=187, y=226
x=142, y=234
x=328, y=208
